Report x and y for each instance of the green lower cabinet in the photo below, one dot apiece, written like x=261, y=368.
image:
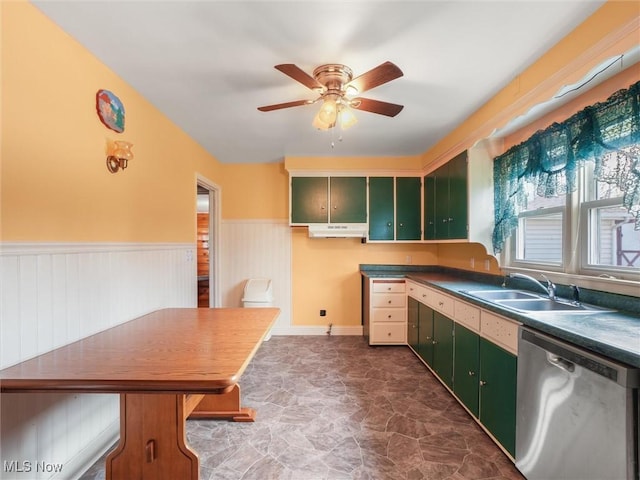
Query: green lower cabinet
x=425, y=333
x=443, y=348
x=412, y=323
x=466, y=360
x=498, y=370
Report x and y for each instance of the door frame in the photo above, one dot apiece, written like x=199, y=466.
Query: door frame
x=215, y=194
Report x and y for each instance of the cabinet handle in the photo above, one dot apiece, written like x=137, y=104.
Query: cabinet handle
x=388, y=316
x=335, y=207
x=482, y=383
x=450, y=219
x=389, y=224
x=444, y=220
x=389, y=301
x=322, y=207
x=414, y=326
x=389, y=334
x=389, y=288
x=434, y=342
x=402, y=224
x=441, y=304
x=471, y=374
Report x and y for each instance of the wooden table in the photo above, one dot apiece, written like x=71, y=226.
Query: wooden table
x=167, y=366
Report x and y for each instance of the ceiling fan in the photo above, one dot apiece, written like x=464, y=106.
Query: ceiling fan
x=336, y=88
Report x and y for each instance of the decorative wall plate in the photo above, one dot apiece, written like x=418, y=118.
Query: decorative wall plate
x=110, y=110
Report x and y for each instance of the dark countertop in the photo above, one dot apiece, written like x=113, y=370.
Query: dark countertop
x=615, y=335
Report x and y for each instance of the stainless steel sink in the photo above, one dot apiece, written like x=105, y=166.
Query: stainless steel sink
x=502, y=294
x=548, y=305
x=527, y=302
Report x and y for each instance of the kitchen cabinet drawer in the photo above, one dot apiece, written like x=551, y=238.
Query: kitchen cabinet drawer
x=500, y=331
x=388, y=333
x=467, y=315
x=388, y=315
x=440, y=302
x=417, y=291
x=388, y=286
x=388, y=300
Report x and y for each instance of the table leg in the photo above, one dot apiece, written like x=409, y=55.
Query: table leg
x=224, y=405
x=152, y=440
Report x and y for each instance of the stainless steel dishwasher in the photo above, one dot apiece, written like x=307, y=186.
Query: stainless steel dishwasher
x=577, y=413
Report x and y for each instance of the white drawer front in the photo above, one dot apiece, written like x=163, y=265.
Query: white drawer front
x=417, y=291
x=388, y=333
x=442, y=303
x=388, y=286
x=467, y=315
x=389, y=315
x=389, y=300
x=500, y=331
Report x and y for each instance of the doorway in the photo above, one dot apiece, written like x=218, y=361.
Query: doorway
x=207, y=214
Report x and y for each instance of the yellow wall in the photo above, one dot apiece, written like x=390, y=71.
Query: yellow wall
x=55, y=185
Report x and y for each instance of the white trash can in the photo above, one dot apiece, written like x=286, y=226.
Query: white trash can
x=258, y=292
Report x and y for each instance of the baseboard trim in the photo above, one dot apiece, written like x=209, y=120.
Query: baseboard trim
x=317, y=330
x=89, y=455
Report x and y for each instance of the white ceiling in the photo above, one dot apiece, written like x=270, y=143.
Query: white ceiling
x=208, y=65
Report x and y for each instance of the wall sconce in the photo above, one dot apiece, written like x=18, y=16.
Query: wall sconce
x=118, y=155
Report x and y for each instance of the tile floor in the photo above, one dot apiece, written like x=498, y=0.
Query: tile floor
x=334, y=408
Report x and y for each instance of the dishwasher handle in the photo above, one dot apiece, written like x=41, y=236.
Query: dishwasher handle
x=625, y=375
x=560, y=362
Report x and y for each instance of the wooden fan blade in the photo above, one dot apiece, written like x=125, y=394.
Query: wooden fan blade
x=376, y=106
x=299, y=75
x=278, y=106
x=375, y=77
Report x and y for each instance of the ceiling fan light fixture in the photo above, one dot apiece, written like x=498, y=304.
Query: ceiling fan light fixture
x=328, y=111
x=320, y=124
x=347, y=118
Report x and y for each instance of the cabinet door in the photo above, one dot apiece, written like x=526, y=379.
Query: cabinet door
x=466, y=372
x=381, y=208
x=309, y=197
x=429, y=207
x=443, y=348
x=498, y=370
x=425, y=333
x=408, y=210
x=348, y=200
x=457, y=224
x=441, y=202
x=412, y=322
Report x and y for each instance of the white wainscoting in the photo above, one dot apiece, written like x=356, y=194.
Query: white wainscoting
x=257, y=249
x=52, y=295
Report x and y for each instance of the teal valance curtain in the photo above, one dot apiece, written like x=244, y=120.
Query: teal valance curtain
x=550, y=159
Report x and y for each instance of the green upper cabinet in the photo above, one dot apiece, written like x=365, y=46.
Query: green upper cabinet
x=408, y=208
x=394, y=208
x=381, y=208
x=498, y=378
x=446, y=201
x=309, y=200
x=348, y=199
x=466, y=373
x=328, y=200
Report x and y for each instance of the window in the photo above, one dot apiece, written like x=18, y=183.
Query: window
x=568, y=198
x=612, y=244
x=540, y=231
x=605, y=236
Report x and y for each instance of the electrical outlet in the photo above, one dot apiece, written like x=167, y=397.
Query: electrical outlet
x=472, y=262
x=487, y=264
x=409, y=259
x=323, y=313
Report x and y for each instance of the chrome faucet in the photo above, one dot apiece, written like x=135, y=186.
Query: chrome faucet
x=550, y=289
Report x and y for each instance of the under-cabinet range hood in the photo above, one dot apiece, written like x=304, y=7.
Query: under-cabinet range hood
x=339, y=230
